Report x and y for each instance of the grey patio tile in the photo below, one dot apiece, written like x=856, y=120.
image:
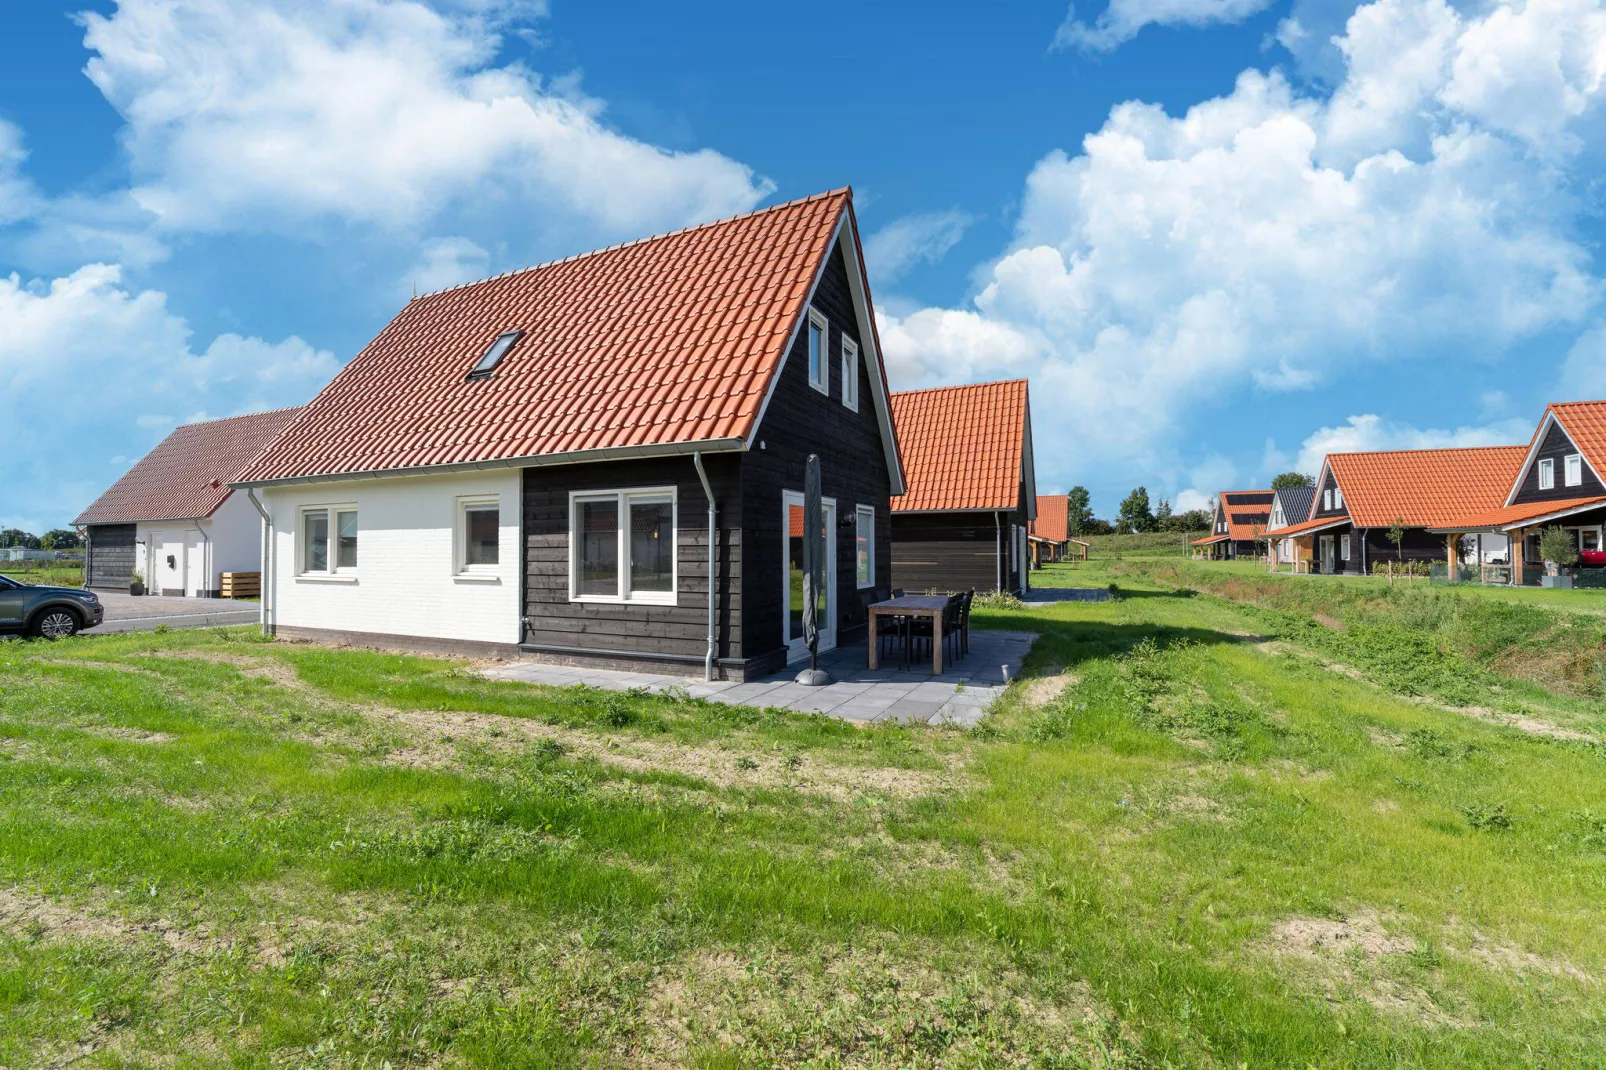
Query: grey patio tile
x=911, y=710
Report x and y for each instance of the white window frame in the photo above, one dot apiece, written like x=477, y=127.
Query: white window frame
x=863, y=514
x=850, y=373
x=1338, y=497
x=333, y=573
x=1547, y=473
x=1327, y=499
x=1343, y=547
x=461, y=569
x=817, y=319
x=626, y=496
x=1573, y=470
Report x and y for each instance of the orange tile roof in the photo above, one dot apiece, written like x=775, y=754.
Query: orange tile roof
x=654, y=345
x=1208, y=539
x=1234, y=506
x=1309, y=526
x=187, y=475
x=1053, y=517
x=1585, y=424
x=1424, y=488
x=962, y=446
x=1493, y=519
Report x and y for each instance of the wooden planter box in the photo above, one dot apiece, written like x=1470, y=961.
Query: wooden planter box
x=241, y=585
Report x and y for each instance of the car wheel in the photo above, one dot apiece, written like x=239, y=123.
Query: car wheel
x=56, y=624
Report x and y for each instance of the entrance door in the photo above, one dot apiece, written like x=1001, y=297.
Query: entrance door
x=1329, y=560
x=792, y=589
x=167, y=562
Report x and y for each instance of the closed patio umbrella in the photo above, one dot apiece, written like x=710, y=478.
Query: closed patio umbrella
x=813, y=568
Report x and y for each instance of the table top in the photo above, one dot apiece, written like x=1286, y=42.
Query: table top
x=914, y=603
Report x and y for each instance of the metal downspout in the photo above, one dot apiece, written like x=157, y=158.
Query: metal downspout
x=267, y=557
x=998, y=550
x=713, y=535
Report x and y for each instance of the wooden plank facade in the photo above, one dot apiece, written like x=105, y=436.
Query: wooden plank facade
x=108, y=555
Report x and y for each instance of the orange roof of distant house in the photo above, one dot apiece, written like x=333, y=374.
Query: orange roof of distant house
x=1053, y=517
x=1425, y=488
x=1494, y=519
x=187, y=475
x=1310, y=526
x=1208, y=539
x=963, y=447
x=1248, y=512
x=650, y=347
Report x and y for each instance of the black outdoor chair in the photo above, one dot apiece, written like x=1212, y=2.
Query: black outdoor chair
x=963, y=631
x=918, y=629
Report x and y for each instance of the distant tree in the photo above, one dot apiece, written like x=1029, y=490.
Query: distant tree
x=1192, y=520
x=16, y=537
x=60, y=539
x=1135, y=515
x=1292, y=479
x=1095, y=526
x=1079, y=513
x=1162, y=514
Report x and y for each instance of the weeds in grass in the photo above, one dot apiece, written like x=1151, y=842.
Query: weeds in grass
x=1487, y=817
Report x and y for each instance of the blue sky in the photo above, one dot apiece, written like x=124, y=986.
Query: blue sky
x=1220, y=236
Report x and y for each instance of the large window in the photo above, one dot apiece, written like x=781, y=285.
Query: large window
x=864, y=545
x=1343, y=547
x=850, y=374
x=1573, y=469
x=328, y=540
x=1547, y=474
x=622, y=546
x=819, y=352
x=479, y=538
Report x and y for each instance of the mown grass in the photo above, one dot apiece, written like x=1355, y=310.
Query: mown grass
x=216, y=850
x=1147, y=544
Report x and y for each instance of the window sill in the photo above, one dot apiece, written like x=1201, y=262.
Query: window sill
x=606, y=601
x=469, y=577
x=314, y=578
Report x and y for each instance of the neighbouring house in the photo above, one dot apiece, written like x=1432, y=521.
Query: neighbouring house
x=1360, y=497
x=1238, y=525
x=173, y=517
x=963, y=522
x=1289, y=506
x=1556, y=482
x=601, y=460
x=1051, y=529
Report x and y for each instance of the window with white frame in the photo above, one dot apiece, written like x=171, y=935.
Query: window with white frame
x=328, y=540
x=1338, y=497
x=864, y=545
x=819, y=352
x=850, y=374
x=1343, y=547
x=479, y=537
x=1547, y=474
x=1573, y=469
x=1327, y=499
x=622, y=546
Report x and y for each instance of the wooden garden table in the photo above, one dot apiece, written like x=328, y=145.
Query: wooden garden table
x=911, y=605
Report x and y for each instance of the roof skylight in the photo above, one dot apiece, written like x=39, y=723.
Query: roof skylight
x=493, y=356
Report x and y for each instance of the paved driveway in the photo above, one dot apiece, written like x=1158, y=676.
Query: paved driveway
x=125, y=613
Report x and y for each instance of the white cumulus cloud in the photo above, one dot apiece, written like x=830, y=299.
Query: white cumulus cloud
x=1124, y=19
x=1368, y=432
x=1269, y=239
x=245, y=113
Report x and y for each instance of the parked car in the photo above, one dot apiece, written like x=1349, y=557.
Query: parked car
x=51, y=612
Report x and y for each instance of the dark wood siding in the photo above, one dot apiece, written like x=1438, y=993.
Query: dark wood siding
x=946, y=551
x=1555, y=447
x=109, y=557
x=1329, y=483
x=1419, y=545
x=680, y=630
x=800, y=420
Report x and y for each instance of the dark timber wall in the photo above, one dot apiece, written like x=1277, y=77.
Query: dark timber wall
x=946, y=551
x=1555, y=447
x=679, y=631
x=800, y=420
x=1329, y=483
x=109, y=557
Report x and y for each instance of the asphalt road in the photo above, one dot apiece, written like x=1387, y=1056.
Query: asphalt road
x=125, y=613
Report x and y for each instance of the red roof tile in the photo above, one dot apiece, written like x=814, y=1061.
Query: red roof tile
x=1310, y=526
x=188, y=473
x=1209, y=539
x=1425, y=488
x=1493, y=519
x=962, y=446
x=1053, y=517
x=1246, y=519
x=1585, y=424
x=667, y=341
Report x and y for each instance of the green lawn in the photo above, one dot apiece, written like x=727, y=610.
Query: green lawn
x=1196, y=834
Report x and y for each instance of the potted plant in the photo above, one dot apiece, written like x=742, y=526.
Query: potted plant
x=1559, y=549
x=136, y=582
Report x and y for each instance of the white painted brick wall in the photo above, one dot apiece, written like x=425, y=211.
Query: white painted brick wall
x=405, y=581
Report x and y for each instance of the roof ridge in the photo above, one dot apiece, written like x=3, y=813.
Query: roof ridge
x=1426, y=449
x=238, y=416
x=795, y=202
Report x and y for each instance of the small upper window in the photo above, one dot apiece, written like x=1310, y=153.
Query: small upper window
x=1338, y=497
x=850, y=374
x=1327, y=499
x=1573, y=471
x=1547, y=474
x=493, y=356
x=819, y=343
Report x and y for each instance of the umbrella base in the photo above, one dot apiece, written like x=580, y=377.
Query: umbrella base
x=814, y=678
